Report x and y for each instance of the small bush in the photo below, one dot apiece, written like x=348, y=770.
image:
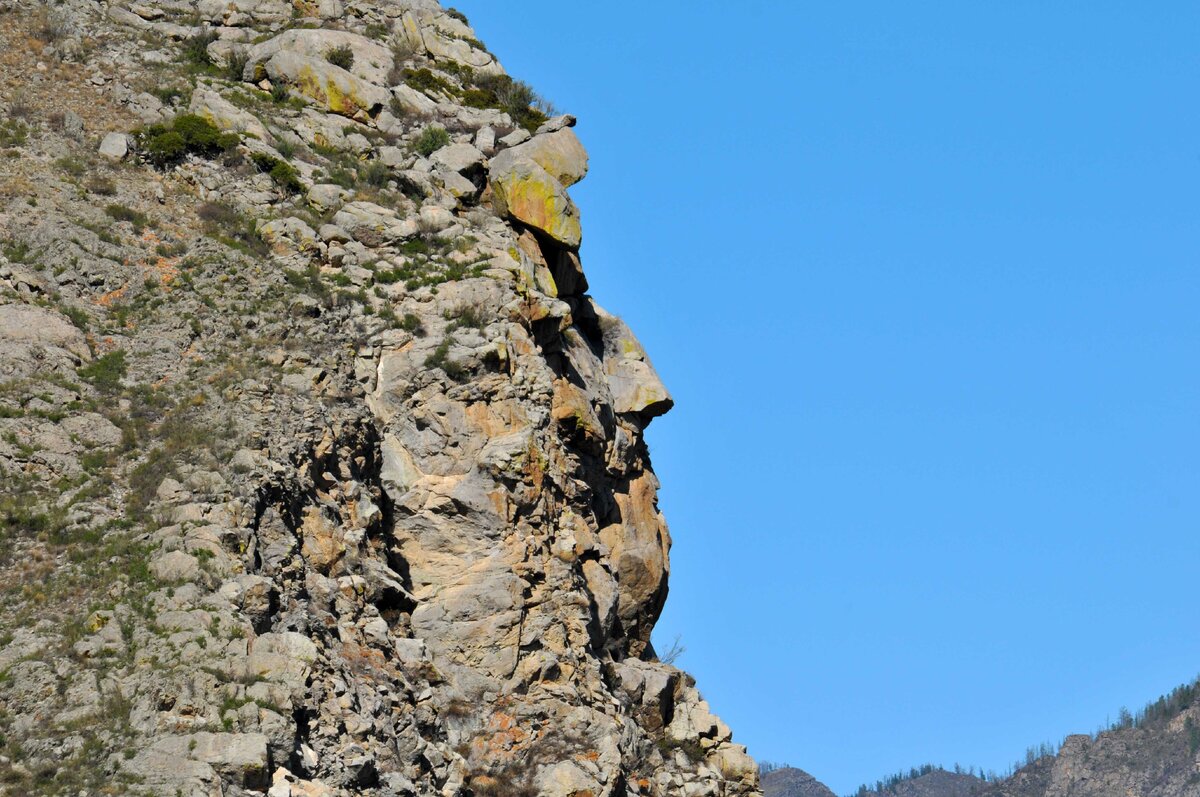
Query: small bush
x=440, y=358
x=122, y=213
x=424, y=80
x=468, y=317
x=165, y=148
x=51, y=26
x=13, y=133
x=374, y=174
x=460, y=16
x=164, y=145
x=236, y=65
x=195, y=49
x=72, y=166
x=167, y=95
x=431, y=140
x=226, y=225
x=342, y=56
x=281, y=172
x=102, y=186
x=279, y=93
x=203, y=136
x=377, y=30
x=105, y=373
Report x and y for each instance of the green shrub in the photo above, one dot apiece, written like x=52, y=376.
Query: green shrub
x=279, y=93
x=377, y=30
x=342, y=56
x=431, y=140
x=72, y=166
x=440, y=358
x=426, y=81
x=195, y=49
x=374, y=174
x=167, y=95
x=285, y=176
x=468, y=317
x=122, y=213
x=106, y=372
x=13, y=133
x=411, y=323
x=235, y=66
x=164, y=145
x=226, y=225
x=281, y=172
x=202, y=136
x=164, y=148
x=460, y=16
x=515, y=97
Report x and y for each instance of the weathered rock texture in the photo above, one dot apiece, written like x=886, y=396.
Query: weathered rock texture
x=321, y=472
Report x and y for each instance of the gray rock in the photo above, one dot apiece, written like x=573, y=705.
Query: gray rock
x=73, y=125
x=560, y=153
x=458, y=157
x=518, y=136
x=115, y=146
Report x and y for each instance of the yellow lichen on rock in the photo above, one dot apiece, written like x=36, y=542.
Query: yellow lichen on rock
x=528, y=193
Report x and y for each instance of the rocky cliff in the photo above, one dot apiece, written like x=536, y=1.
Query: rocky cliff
x=322, y=474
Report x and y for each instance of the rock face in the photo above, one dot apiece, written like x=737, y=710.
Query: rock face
x=320, y=471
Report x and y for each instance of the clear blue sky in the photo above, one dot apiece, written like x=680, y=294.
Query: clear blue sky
x=923, y=279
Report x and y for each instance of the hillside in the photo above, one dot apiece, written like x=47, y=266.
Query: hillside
x=320, y=471
x=1155, y=753
x=792, y=782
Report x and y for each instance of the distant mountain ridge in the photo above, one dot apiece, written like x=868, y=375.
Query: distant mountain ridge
x=927, y=782
x=791, y=782
x=1153, y=753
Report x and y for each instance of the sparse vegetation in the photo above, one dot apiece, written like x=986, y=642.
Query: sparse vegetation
x=432, y=139
x=223, y=223
x=136, y=218
x=440, y=358
x=195, y=49
x=106, y=372
x=235, y=64
x=281, y=172
x=341, y=56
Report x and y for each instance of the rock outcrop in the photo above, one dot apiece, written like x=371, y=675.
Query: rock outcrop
x=322, y=473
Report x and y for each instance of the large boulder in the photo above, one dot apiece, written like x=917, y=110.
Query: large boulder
x=372, y=60
x=225, y=115
x=236, y=13
x=635, y=385
x=527, y=192
x=560, y=153
x=431, y=30
x=335, y=89
x=374, y=225
x=27, y=324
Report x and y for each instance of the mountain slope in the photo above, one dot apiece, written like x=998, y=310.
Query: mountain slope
x=792, y=782
x=322, y=473
x=1156, y=756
